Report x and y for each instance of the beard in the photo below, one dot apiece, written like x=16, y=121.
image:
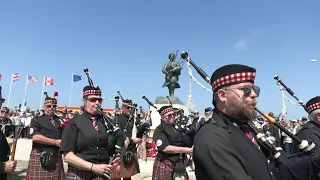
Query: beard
x=235, y=107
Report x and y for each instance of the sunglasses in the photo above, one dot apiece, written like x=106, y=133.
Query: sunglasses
x=95, y=100
x=51, y=106
x=248, y=89
x=170, y=115
x=3, y=111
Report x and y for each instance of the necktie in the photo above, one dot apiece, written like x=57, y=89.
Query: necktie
x=249, y=134
x=95, y=123
x=52, y=121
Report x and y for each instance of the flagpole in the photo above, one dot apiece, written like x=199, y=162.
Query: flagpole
x=10, y=91
x=42, y=91
x=71, y=89
x=25, y=91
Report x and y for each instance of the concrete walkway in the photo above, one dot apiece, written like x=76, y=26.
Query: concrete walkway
x=145, y=168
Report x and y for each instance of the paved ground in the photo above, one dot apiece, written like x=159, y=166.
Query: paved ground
x=145, y=168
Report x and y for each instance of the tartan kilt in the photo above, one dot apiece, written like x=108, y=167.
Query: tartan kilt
x=79, y=174
x=36, y=172
x=123, y=171
x=163, y=169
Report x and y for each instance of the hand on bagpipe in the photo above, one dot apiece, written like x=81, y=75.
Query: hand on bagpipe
x=116, y=137
x=187, y=134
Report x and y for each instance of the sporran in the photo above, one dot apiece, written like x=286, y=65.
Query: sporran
x=47, y=159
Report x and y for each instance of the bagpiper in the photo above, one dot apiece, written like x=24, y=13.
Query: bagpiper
x=130, y=164
x=45, y=160
x=170, y=161
x=85, y=141
x=6, y=165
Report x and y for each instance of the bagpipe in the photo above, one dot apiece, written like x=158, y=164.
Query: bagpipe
x=116, y=137
x=142, y=127
x=295, y=166
x=187, y=135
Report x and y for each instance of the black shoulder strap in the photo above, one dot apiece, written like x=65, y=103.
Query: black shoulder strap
x=307, y=126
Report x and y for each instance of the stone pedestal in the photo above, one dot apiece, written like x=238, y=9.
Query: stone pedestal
x=163, y=101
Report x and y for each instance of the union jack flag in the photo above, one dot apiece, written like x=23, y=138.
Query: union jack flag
x=32, y=79
x=15, y=77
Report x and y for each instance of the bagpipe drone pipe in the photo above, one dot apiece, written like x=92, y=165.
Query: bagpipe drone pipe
x=296, y=166
x=116, y=137
x=187, y=134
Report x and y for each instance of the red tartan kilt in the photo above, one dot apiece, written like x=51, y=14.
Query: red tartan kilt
x=125, y=171
x=163, y=169
x=78, y=174
x=37, y=172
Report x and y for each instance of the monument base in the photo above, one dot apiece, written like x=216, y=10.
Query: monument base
x=163, y=101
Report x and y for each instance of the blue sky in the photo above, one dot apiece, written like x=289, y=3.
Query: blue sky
x=125, y=44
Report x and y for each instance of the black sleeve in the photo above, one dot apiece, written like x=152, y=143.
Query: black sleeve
x=215, y=155
x=1, y=168
x=161, y=140
x=307, y=135
x=122, y=123
x=304, y=134
x=69, y=137
x=137, y=123
x=35, y=127
x=276, y=135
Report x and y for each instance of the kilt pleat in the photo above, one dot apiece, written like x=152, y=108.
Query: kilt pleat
x=36, y=172
x=125, y=171
x=163, y=169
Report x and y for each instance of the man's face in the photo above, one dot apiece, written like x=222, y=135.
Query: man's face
x=196, y=114
x=169, y=117
x=91, y=103
x=49, y=108
x=208, y=114
x=3, y=113
x=126, y=110
x=240, y=100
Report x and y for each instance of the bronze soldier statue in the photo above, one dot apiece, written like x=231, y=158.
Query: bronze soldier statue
x=172, y=70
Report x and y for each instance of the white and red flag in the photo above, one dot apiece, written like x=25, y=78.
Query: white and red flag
x=48, y=81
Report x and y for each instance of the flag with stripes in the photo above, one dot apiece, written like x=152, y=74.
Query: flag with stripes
x=15, y=77
x=32, y=79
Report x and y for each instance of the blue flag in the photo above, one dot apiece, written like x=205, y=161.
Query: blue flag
x=76, y=78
